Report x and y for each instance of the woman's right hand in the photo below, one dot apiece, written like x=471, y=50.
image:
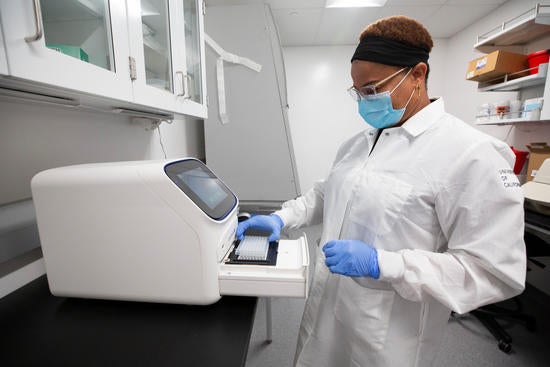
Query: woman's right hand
x=271, y=223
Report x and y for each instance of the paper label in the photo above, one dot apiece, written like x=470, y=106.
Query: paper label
x=480, y=64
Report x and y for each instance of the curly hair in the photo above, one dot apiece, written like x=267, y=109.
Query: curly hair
x=402, y=29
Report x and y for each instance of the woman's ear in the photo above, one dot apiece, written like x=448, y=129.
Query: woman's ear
x=419, y=71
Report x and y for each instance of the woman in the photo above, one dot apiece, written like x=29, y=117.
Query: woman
x=421, y=215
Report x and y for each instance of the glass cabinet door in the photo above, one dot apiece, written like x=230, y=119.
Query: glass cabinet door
x=165, y=40
x=78, y=45
x=81, y=29
x=193, y=50
x=151, y=30
x=155, y=23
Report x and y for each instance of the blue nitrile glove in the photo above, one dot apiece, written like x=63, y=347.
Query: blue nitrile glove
x=351, y=257
x=272, y=223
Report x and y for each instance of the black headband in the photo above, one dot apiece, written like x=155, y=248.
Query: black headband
x=389, y=52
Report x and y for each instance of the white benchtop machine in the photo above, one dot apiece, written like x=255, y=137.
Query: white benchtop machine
x=159, y=231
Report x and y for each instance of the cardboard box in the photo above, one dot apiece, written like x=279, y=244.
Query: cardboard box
x=538, y=152
x=73, y=51
x=496, y=64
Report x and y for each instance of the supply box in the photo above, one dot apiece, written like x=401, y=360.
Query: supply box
x=536, y=58
x=73, y=51
x=496, y=64
x=538, y=152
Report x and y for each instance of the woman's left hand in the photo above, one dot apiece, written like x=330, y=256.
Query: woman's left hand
x=351, y=257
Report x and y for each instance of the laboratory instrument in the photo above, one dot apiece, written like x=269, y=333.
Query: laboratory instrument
x=159, y=231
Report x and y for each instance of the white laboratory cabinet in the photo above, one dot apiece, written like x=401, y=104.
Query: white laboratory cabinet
x=131, y=51
x=36, y=31
x=252, y=151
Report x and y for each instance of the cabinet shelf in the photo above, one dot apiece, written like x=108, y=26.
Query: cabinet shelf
x=62, y=11
x=520, y=30
x=509, y=121
x=532, y=25
x=156, y=47
x=517, y=84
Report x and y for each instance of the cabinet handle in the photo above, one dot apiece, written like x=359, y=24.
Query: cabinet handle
x=37, y=23
x=182, y=84
x=184, y=77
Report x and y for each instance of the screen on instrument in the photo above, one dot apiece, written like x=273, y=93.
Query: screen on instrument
x=202, y=186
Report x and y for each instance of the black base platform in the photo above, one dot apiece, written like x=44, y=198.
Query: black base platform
x=39, y=329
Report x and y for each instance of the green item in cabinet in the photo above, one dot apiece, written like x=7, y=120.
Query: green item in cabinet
x=73, y=51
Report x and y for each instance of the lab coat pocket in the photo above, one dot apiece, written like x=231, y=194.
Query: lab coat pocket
x=364, y=311
x=378, y=202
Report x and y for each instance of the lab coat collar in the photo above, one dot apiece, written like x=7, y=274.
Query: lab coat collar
x=424, y=118
x=420, y=122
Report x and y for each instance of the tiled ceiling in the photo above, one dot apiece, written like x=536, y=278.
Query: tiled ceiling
x=308, y=22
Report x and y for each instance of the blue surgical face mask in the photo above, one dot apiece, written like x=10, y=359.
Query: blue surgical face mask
x=377, y=110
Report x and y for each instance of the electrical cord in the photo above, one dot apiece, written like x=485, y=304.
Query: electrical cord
x=161, y=143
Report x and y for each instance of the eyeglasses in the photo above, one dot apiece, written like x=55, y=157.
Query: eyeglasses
x=370, y=89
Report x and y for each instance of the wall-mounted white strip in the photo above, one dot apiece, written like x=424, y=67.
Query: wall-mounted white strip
x=16, y=215
x=227, y=57
x=20, y=277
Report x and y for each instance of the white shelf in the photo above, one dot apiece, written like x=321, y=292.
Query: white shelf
x=61, y=11
x=518, y=83
x=522, y=30
x=155, y=46
x=509, y=121
x=526, y=27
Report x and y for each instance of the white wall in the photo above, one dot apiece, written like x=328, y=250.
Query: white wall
x=34, y=137
x=322, y=115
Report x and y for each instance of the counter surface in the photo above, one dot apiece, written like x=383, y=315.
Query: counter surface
x=39, y=329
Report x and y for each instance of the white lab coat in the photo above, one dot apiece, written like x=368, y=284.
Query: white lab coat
x=438, y=200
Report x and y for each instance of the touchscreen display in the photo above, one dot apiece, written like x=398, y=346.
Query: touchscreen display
x=207, y=188
x=202, y=186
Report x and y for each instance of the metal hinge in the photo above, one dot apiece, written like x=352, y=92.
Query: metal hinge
x=203, y=7
x=133, y=74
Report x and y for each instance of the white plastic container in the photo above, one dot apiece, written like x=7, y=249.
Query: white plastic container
x=531, y=108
